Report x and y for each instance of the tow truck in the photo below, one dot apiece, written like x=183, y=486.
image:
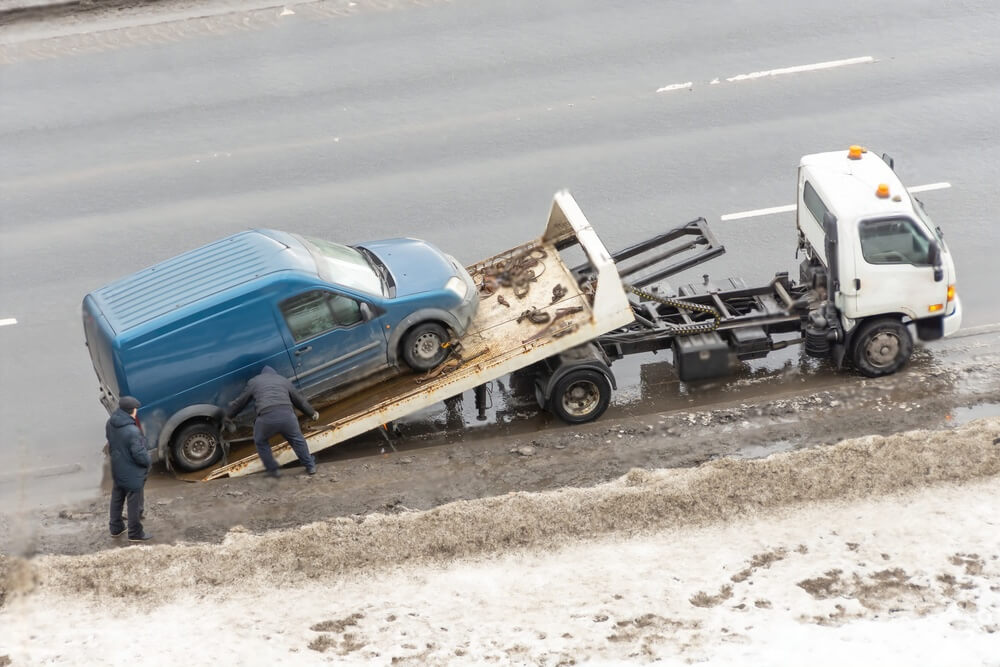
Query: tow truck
x=874, y=271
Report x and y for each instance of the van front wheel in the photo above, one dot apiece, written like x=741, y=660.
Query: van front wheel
x=423, y=346
x=197, y=446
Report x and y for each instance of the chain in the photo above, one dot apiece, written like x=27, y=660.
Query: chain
x=682, y=329
x=517, y=272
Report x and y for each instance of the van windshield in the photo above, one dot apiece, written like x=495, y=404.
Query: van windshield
x=343, y=265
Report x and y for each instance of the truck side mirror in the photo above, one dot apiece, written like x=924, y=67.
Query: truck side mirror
x=934, y=257
x=366, y=312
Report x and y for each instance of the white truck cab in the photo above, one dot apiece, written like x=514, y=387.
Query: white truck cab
x=876, y=260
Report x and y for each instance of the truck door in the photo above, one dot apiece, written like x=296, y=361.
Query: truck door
x=894, y=271
x=332, y=342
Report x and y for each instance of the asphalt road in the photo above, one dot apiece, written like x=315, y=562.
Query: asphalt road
x=454, y=122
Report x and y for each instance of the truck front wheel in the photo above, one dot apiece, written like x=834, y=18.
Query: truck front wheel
x=581, y=396
x=881, y=347
x=197, y=446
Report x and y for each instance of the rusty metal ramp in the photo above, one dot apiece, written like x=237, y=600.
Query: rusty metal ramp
x=532, y=307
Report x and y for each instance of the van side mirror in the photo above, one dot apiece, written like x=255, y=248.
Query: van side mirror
x=934, y=258
x=366, y=312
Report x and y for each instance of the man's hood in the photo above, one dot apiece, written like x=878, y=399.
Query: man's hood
x=120, y=418
x=268, y=370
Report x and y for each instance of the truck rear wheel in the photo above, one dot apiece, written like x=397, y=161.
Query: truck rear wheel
x=581, y=396
x=422, y=346
x=882, y=347
x=196, y=446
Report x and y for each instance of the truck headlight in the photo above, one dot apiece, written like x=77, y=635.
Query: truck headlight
x=458, y=286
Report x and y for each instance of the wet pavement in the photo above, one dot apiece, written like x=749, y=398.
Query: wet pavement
x=388, y=119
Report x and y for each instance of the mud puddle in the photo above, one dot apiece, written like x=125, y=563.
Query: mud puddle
x=645, y=384
x=965, y=415
x=763, y=451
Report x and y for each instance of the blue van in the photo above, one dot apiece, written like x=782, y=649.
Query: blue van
x=184, y=336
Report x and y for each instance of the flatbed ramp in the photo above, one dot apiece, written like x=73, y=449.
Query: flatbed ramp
x=508, y=333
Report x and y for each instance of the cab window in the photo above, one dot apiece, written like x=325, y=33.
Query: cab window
x=893, y=241
x=313, y=313
x=813, y=202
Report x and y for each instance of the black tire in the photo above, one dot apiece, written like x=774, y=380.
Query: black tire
x=881, y=347
x=580, y=396
x=423, y=346
x=196, y=446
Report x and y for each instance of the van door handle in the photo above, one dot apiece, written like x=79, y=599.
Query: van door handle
x=857, y=283
x=303, y=350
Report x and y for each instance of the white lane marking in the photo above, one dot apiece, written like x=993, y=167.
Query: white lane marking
x=758, y=212
x=863, y=60
x=675, y=86
x=7, y=322
x=929, y=187
x=791, y=207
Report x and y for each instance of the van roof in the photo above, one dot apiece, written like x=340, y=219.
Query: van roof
x=198, y=274
x=848, y=186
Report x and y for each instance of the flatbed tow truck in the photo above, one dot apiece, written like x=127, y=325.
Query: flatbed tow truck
x=857, y=227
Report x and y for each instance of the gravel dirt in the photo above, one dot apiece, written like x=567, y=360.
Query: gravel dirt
x=752, y=416
x=816, y=499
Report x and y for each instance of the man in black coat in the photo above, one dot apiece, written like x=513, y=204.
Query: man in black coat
x=130, y=464
x=273, y=395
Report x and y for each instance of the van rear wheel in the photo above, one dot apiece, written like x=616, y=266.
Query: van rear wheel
x=197, y=446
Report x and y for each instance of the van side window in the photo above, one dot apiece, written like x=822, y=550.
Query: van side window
x=346, y=311
x=893, y=241
x=814, y=203
x=317, y=312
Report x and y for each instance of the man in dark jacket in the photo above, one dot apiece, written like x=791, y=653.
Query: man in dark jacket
x=273, y=396
x=130, y=464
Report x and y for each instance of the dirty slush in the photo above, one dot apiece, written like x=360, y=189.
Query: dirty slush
x=651, y=539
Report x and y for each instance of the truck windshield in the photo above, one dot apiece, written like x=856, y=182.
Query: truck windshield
x=343, y=265
x=918, y=206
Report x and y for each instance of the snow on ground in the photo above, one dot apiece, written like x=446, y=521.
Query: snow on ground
x=905, y=577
